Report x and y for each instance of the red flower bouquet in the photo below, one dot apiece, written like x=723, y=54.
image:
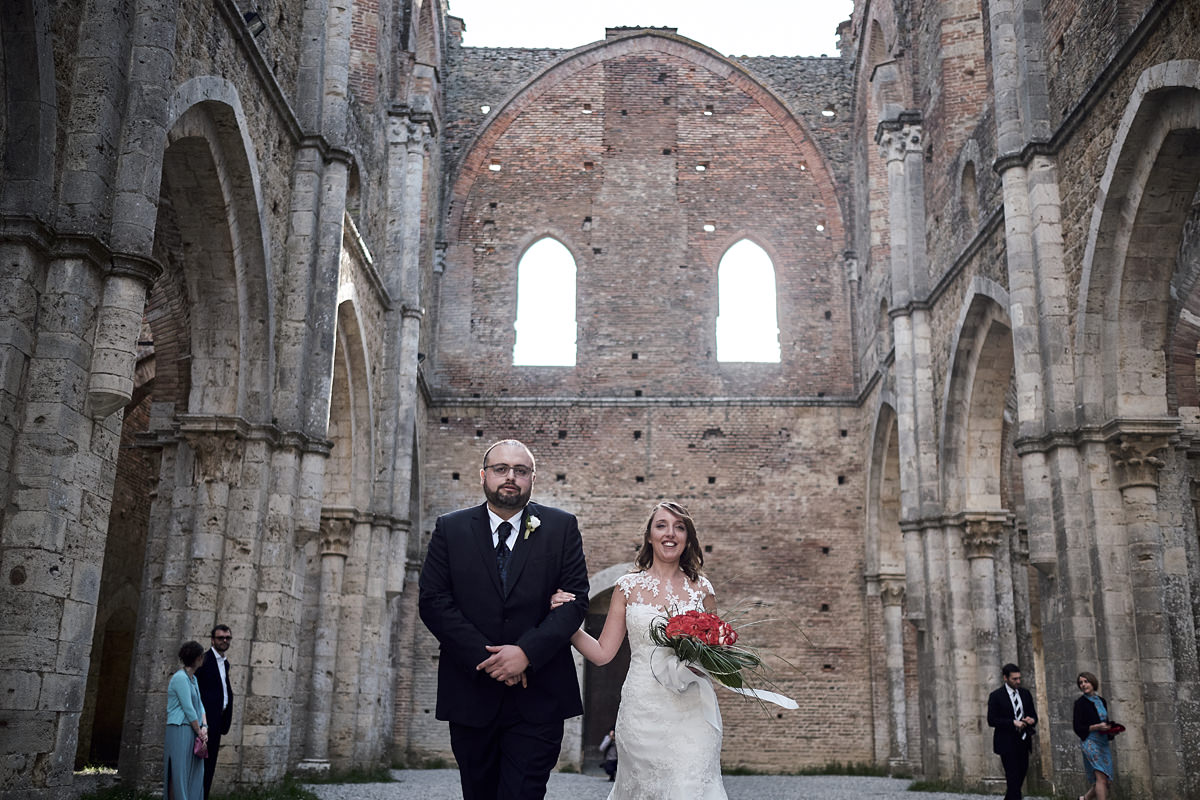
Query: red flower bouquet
x=707, y=641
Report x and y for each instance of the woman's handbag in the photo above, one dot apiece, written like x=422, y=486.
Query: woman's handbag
x=200, y=748
x=1114, y=728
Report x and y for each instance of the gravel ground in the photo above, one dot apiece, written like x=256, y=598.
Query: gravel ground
x=442, y=784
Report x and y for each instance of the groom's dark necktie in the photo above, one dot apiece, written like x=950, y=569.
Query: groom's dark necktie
x=502, y=552
x=1018, y=709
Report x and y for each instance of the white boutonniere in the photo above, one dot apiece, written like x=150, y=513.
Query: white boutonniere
x=531, y=525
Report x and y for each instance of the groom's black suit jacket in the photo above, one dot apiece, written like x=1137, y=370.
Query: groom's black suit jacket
x=462, y=604
x=1005, y=736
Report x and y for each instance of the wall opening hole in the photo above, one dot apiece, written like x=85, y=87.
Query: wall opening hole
x=709, y=227
x=708, y=110
x=587, y=108
x=494, y=166
x=637, y=434
x=485, y=109
x=829, y=112
x=712, y=479
x=453, y=476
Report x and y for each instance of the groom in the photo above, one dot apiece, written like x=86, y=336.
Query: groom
x=506, y=678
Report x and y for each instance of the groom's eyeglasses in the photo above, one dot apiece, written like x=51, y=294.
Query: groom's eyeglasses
x=518, y=471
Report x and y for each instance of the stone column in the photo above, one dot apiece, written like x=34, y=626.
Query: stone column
x=900, y=144
x=981, y=539
x=1022, y=623
x=891, y=595
x=1150, y=664
x=940, y=738
x=335, y=545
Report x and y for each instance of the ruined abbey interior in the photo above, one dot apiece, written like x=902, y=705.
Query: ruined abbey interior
x=266, y=296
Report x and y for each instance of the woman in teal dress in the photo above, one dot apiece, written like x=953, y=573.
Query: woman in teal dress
x=1091, y=726
x=183, y=771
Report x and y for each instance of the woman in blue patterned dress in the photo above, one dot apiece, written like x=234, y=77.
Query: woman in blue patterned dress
x=183, y=771
x=1091, y=726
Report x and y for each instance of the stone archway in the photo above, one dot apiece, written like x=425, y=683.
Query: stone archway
x=601, y=685
x=1136, y=342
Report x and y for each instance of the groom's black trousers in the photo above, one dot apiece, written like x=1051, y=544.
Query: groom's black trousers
x=510, y=759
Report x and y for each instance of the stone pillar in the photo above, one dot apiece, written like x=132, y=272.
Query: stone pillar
x=891, y=595
x=914, y=573
x=335, y=545
x=939, y=697
x=981, y=539
x=1150, y=665
x=1006, y=614
x=1022, y=623
x=53, y=530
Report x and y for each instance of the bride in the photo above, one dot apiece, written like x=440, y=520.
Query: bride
x=668, y=747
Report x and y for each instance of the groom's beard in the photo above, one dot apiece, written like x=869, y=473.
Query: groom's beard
x=514, y=500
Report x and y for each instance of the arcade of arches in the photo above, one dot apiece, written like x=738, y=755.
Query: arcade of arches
x=257, y=325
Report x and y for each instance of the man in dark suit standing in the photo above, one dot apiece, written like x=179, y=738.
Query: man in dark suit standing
x=216, y=693
x=1012, y=716
x=506, y=678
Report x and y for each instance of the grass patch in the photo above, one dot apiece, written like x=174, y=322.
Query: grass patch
x=289, y=789
x=118, y=793
x=857, y=769
x=357, y=775
x=950, y=787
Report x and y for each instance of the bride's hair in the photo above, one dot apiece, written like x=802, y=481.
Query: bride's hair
x=692, y=559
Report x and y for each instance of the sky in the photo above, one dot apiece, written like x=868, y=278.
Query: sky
x=739, y=28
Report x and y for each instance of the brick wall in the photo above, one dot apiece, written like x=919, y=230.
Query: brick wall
x=619, y=187
x=776, y=496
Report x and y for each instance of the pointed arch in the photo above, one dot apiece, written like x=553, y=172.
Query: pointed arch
x=216, y=244
x=351, y=425
x=747, y=310
x=477, y=159
x=27, y=127
x=1126, y=340
x=884, y=539
x=973, y=421
x=545, y=322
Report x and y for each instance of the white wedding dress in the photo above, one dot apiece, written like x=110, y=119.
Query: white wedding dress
x=666, y=749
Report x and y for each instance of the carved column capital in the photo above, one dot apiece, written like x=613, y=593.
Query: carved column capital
x=218, y=456
x=898, y=138
x=1135, y=459
x=335, y=536
x=891, y=591
x=981, y=537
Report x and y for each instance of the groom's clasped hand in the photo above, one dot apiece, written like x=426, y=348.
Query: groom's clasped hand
x=507, y=663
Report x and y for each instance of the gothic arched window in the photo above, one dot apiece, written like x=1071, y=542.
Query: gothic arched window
x=545, y=306
x=747, y=321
